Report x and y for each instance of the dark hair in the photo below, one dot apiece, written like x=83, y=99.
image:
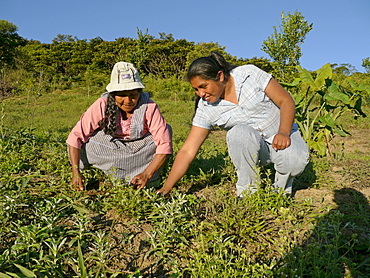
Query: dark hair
x=109, y=123
x=208, y=68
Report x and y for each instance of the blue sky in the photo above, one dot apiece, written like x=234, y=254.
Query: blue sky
x=341, y=29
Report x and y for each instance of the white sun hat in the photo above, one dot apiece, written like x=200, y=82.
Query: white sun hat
x=124, y=77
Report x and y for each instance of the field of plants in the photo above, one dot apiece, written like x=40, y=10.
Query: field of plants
x=47, y=229
x=200, y=230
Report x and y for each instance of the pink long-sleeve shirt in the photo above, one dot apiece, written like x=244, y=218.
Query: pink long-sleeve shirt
x=154, y=123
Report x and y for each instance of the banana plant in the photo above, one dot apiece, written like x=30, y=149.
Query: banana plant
x=319, y=106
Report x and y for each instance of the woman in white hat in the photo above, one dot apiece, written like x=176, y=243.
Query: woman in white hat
x=122, y=133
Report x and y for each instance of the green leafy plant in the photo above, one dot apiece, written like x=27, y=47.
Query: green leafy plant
x=321, y=105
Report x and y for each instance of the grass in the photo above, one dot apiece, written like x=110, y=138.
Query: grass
x=201, y=230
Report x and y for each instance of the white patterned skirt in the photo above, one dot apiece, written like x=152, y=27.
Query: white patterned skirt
x=121, y=159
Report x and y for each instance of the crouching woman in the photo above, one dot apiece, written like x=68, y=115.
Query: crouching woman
x=258, y=115
x=122, y=133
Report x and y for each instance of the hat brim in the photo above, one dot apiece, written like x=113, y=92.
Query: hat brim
x=124, y=87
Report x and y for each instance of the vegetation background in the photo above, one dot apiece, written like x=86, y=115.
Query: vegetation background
x=201, y=230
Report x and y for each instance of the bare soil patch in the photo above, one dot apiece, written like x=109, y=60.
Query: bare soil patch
x=350, y=170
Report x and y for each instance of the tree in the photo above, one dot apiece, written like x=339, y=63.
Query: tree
x=366, y=64
x=203, y=49
x=263, y=63
x=168, y=57
x=139, y=53
x=9, y=41
x=345, y=69
x=64, y=38
x=284, y=46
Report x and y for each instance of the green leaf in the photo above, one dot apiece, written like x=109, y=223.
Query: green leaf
x=364, y=87
x=3, y=275
x=306, y=77
x=322, y=74
x=295, y=82
x=25, y=271
x=298, y=98
x=15, y=275
x=358, y=107
x=320, y=147
x=340, y=132
x=353, y=84
x=328, y=120
x=81, y=209
x=334, y=93
x=81, y=261
x=361, y=87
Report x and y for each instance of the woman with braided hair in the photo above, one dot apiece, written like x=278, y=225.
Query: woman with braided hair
x=122, y=133
x=258, y=115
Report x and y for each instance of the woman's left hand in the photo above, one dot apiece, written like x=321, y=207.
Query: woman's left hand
x=281, y=141
x=164, y=191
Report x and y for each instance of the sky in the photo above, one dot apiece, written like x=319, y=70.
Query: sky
x=340, y=34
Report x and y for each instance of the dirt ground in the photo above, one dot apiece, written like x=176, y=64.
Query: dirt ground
x=351, y=171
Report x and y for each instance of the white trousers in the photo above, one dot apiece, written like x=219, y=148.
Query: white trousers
x=248, y=150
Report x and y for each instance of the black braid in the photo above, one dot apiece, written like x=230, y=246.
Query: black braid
x=109, y=124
